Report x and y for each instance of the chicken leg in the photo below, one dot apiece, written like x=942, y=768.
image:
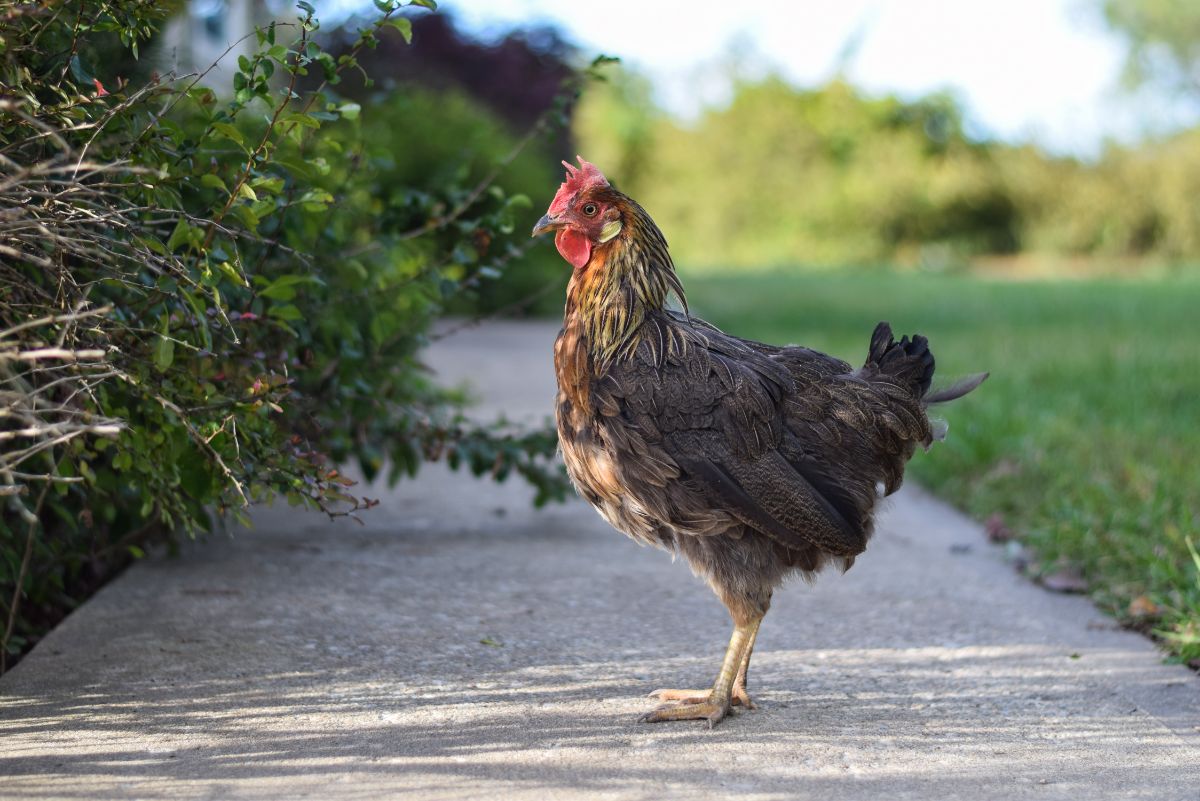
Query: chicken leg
x=714, y=704
x=740, y=696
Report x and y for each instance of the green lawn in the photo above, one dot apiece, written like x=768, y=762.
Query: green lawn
x=1086, y=439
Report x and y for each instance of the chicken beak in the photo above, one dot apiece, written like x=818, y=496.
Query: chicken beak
x=547, y=223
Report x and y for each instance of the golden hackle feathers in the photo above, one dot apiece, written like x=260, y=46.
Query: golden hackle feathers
x=627, y=279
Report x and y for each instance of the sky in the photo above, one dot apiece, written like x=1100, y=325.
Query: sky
x=1046, y=71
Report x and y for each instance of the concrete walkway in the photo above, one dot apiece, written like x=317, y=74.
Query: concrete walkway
x=464, y=646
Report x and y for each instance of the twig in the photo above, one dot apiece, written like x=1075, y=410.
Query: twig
x=19, y=585
x=60, y=318
x=51, y=353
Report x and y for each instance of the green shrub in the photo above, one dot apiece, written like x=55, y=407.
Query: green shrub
x=208, y=302
x=450, y=140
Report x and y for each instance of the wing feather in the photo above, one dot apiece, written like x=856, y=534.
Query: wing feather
x=785, y=440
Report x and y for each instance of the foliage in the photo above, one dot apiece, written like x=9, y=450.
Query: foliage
x=1164, y=41
x=482, y=103
x=450, y=139
x=1083, y=441
x=827, y=175
x=617, y=125
x=833, y=176
x=208, y=301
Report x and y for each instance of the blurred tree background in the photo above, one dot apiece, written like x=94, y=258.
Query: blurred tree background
x=833, y=176
x=1164, y=42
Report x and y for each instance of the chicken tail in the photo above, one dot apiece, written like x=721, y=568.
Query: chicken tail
x=911, y=363
x=955, y=390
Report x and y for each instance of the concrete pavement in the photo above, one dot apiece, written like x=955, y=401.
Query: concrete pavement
x=464, y=646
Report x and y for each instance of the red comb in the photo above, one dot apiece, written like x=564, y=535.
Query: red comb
x=585, y=176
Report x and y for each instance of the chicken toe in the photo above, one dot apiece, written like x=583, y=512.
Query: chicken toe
x=740, y=696
x=712, y=711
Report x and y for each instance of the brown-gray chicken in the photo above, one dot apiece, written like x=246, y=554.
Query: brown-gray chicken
x=755, y=462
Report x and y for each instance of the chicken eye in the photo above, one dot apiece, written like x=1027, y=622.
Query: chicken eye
x=589, y=209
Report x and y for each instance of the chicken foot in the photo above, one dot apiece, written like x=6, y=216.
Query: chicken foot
x=739, y=696
x=729, y=688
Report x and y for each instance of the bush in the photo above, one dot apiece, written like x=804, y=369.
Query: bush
x=208, y=302
x=449, y=139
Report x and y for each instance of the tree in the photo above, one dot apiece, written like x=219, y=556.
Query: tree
x=1164, y=41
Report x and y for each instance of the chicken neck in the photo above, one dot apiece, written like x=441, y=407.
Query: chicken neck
x=626, y=282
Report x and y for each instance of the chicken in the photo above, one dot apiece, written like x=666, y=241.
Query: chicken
x=755, y=462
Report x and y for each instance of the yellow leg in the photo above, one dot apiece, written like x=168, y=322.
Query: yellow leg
x=740, y=683
x=740, y=696
x=716, y=704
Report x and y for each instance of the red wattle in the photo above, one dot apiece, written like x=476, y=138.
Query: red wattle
x=574, y=247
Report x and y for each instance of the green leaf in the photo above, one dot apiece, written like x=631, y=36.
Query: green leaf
x=229, y=132
x=245, y=191
x=213, y=181
x=404, y=25
x=232, y=272
x=350, y=111
x=300, y=169
x=197, y=308
x=430, y=4
x=247, y=217
x=519, y=202
x=285, y=311
x=154, y=245
x=270, y=183
x=329, y=66
x=307, y=120
x=182, y=235
x=315, y=200
x=164, y=350
x=306, y=7
x=262, y=208
x=285, y=286
x=80, y=70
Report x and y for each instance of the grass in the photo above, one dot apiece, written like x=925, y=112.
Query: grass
x=1086, y=439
